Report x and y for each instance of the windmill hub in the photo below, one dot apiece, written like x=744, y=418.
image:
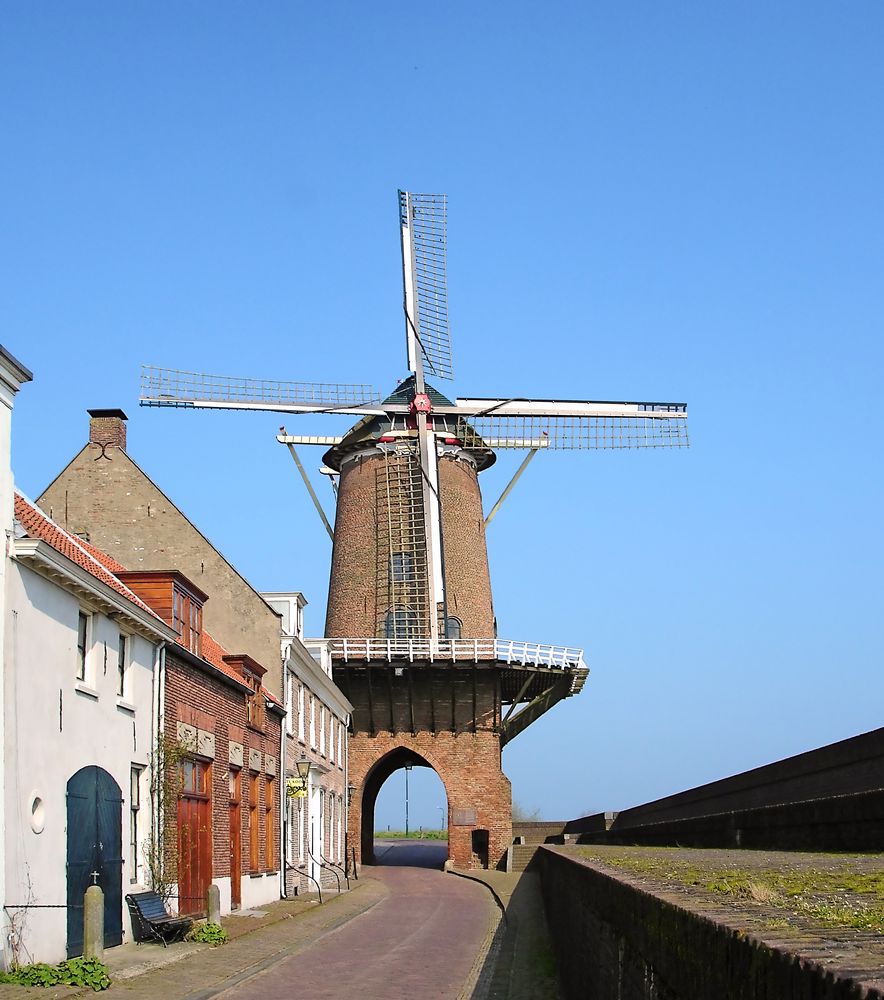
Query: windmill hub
x=421, y=403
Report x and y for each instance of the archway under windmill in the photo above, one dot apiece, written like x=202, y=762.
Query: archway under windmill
x=417, y=806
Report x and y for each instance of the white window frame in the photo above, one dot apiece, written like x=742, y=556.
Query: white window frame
x=289, y=704
x=312, y=722
x=82, y=613
x=124, y=673
x=301, y=712
x=340, y=744
x=331, y=738
x=322, y=746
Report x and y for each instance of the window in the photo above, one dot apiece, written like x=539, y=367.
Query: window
x=312, y=722
x=401, y=567
x=340, y=743
x=194, y=779
x=453, y=628
x=331, y=828
x=400, y=623
x=134, y=832
x=331, y=737
x=122, y=664
x=289, y=704
x=254, y=833
x=187, y=620
x=322, y=729
x=196, y=616
x=82, y=645
x=269, y=830
x=255, y=708
x=301, y=712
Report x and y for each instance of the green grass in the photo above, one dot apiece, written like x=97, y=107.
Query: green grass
x=412, y=834
x=835, y=896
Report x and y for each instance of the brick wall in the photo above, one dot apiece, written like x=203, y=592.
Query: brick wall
x=467, y=580
x=103, y=494
x=194, y=697
x=467, y=762
x=352, y=597
x=615, y=941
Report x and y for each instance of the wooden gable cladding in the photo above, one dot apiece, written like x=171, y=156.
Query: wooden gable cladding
x=176, y=599
x=251, y=672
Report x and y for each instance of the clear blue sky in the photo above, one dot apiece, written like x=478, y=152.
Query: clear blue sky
x=647, y=201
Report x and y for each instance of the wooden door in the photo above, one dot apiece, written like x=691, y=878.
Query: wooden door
x=235, y=839
x=94, y=853
x=194, y=838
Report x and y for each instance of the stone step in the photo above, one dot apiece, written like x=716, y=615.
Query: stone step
x=523, y=855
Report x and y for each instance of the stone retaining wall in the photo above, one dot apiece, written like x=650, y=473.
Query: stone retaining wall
x=616, y=941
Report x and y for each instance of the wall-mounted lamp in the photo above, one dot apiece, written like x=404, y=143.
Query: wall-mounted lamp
x=297, y=787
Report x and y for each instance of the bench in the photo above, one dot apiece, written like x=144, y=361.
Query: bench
x=152, y=922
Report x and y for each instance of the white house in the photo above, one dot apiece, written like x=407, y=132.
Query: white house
x=317, y=719
x=80, y=709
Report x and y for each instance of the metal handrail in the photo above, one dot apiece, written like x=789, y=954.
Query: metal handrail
x=511, y=651
x=324, y=865
x=304, y=869
x=334, y=865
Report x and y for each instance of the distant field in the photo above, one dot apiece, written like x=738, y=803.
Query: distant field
x=412, y=834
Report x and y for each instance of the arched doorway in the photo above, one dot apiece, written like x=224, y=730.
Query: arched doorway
x=396, y=760
x=94, y=852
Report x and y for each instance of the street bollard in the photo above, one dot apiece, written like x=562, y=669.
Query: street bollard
x=213, y=904
x=93, y=923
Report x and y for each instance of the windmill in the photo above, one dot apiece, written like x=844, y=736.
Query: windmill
x=409, y=582
x=415, y=424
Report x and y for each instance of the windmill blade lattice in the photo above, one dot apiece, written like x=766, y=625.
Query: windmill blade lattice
x=171, y=387
x=576, y=433
x=428, y=225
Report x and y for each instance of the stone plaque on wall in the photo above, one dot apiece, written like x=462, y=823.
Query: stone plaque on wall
x=235, y=753
x=269, y=764
x=463, y=817
x=255, y=760
x=205, y=744
x=187, y=736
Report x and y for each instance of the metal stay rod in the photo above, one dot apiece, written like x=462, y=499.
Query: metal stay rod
x=311, y=491
x=510, y=485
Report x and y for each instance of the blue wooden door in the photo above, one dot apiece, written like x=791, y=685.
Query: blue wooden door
x=95, y=844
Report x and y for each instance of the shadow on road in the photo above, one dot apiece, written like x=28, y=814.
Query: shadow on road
x=410, y=853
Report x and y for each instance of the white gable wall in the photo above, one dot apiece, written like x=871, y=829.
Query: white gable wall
x=56, y=725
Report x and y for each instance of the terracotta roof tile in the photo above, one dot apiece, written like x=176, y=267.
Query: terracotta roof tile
x=37, y=525
x=103, y=567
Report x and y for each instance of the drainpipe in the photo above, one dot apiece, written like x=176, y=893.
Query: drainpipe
x=159, y=708
x=283, y=797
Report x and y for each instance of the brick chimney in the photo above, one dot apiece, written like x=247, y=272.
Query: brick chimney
x=108, y=427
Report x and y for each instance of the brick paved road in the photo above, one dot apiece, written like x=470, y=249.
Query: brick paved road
x=420, y=942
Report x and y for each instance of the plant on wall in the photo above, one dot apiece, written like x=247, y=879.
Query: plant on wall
x=161, y=847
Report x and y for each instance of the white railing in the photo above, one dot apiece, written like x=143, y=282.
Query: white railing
x=534, y=654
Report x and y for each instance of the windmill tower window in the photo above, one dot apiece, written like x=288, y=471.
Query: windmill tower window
x=400, y=623
x=401, y=567
x=453, y=628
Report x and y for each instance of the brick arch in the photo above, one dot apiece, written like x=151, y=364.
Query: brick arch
x=392, y=761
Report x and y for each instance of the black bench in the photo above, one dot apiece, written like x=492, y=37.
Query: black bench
x=152, y=922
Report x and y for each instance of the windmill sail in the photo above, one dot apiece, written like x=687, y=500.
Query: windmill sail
x=170, y=387
x=572, y=424
x=423, y=222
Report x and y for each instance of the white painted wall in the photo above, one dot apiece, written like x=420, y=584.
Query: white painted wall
x=12, y=376
x=55, y=726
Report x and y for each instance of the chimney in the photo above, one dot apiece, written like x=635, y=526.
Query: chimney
x=108, y=427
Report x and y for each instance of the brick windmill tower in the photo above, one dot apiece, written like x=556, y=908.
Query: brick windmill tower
x=410, y=628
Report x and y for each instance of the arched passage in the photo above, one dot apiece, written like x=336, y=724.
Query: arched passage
x=374, y=781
